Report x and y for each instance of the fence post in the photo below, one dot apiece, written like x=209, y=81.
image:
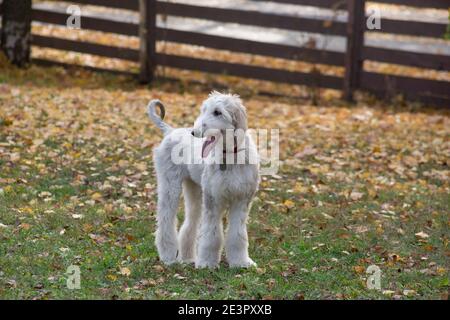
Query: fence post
x=147, y=38
x=16, y=31
x=356, y=26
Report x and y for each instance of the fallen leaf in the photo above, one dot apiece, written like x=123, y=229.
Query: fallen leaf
x=125, y=271
x=441, y=270
x=422, y=235
x=25, y=226
x=96, y=196
x=354, y=195
x=388, y=292
x=359, y=269
x=409, y=292
x=158, y=268
x=111, y=277
x=289, y=204
x=178, y=276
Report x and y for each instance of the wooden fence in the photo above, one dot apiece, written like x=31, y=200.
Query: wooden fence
x=354, y=29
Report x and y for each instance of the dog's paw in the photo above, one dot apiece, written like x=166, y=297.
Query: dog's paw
x=206, y=264
x=248, y=263
x=186, y=260
x=169, y=257
x=169, y=262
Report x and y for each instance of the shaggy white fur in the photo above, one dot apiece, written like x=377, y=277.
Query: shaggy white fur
x=210, y=190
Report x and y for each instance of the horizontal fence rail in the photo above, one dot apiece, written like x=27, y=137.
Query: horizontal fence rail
x=412, y=28
x=248, y=71
x=251, y=47
x=90, y=23
x=255, y=18
x=50, y=63
x=435, y=4
x=86, y=47
x=117, y=4
x=431, y=91
x=334, y=4
x=420, y=60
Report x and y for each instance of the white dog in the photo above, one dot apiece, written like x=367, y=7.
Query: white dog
x=210, y=189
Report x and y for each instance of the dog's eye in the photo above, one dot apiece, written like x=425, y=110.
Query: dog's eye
x=217, y=113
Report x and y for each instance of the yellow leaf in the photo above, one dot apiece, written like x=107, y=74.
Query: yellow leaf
x=111, y=277
x=388, y=292
x=379, y=230
x=289, y=204
x=96, y=196
x=372, y=193
x=28, y=210
x=419, y=204
x=299, y=188
x=376, y=149
x=87, y=227
x=67, y=145
x=441, y=270
x=359, y=269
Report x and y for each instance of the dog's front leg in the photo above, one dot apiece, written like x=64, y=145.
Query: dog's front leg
x=237, y=239
x=211, y=234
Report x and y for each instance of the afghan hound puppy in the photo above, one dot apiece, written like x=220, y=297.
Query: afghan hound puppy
x=216, y=166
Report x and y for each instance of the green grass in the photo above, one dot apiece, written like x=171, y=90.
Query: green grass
x=299, y=252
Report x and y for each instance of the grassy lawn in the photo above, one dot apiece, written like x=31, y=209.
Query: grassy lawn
x=359, y=185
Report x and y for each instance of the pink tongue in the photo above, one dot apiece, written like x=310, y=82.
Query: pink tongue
x=207, y=146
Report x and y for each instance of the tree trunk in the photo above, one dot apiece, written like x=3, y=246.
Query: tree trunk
x=16, y=31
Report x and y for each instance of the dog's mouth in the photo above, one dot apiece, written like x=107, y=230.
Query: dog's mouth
x=208, y=146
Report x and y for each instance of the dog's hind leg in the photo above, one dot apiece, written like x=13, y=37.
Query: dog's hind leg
x=236, y=246
x=169, y=191
x=188, y=232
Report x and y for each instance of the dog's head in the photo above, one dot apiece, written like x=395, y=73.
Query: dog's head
x=220, y=114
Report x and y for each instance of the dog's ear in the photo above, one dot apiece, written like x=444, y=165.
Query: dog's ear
x=240, y=124
x=240, y=118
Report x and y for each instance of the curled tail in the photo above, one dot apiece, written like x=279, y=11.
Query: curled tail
x=165, y=128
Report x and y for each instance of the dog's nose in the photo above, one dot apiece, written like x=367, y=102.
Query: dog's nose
x=196, y=133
